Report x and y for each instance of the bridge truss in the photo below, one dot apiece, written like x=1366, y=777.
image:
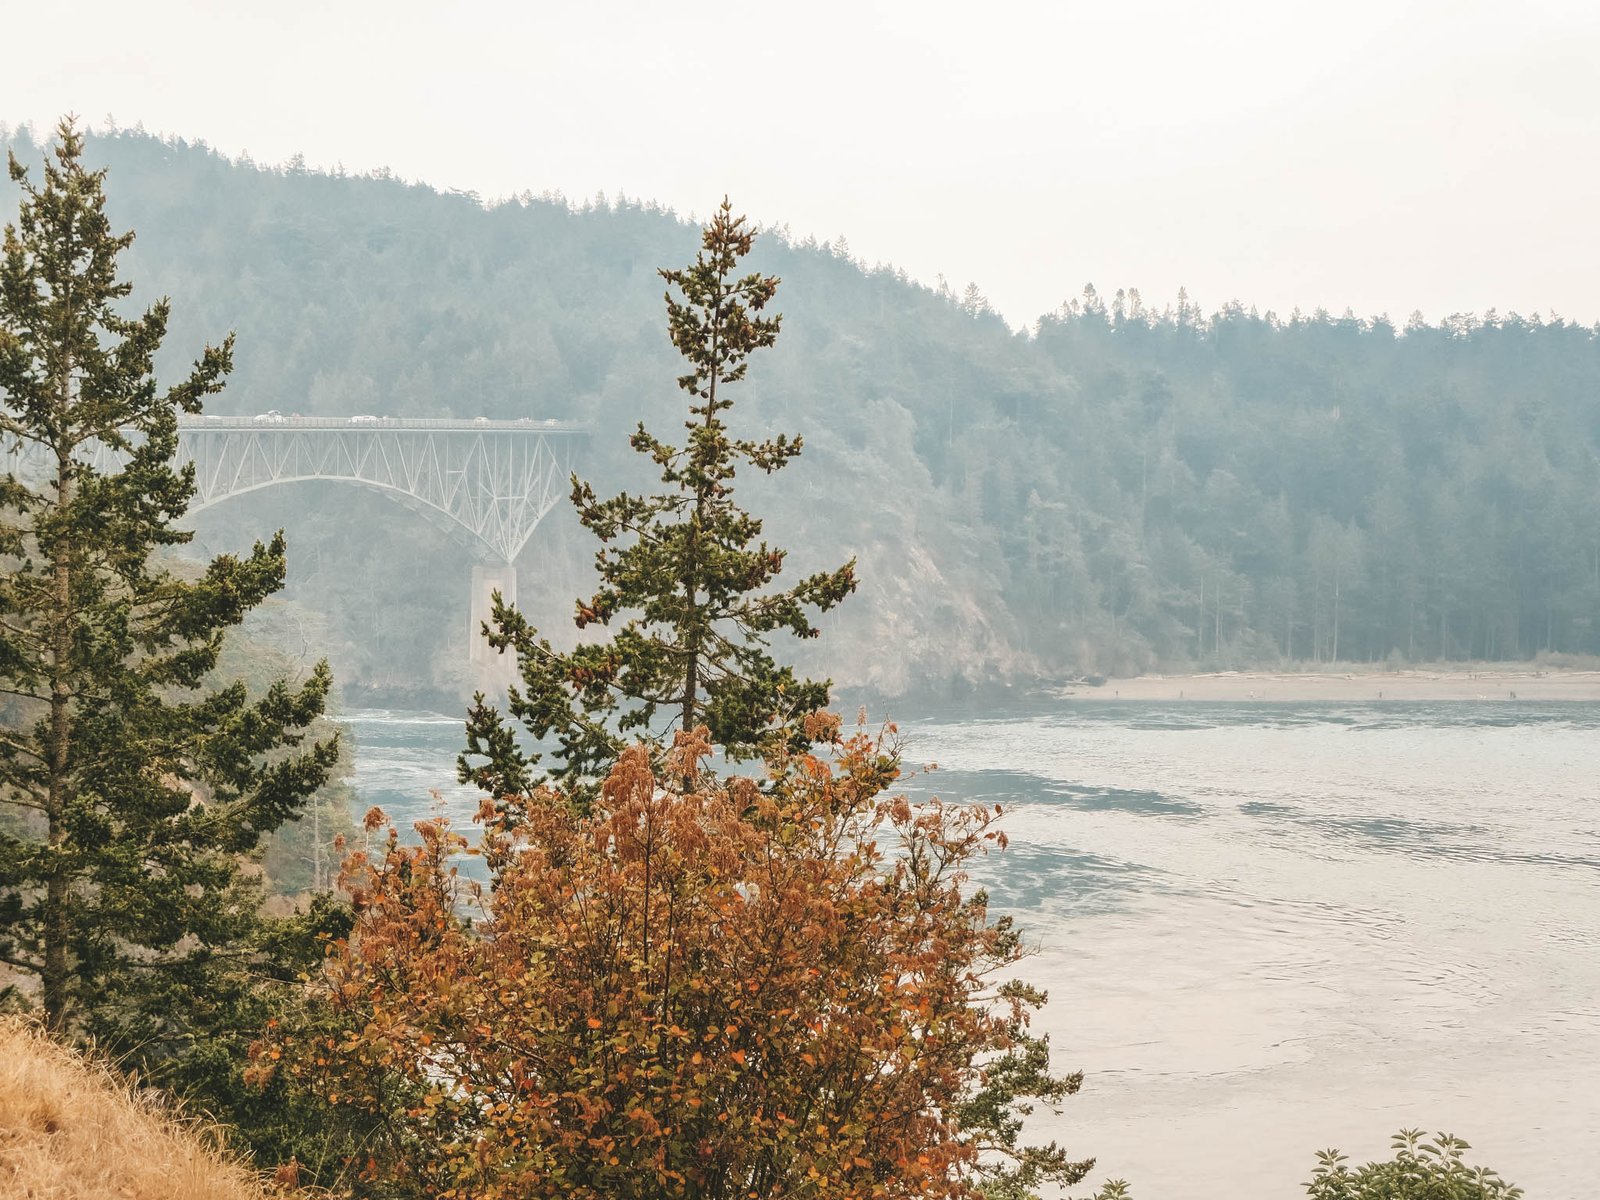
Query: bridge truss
x=492, y=480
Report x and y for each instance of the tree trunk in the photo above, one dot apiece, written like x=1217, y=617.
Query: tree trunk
x=1335, y=656
x=691, y=678
x=1144, y=490
x=54, y=977
x=1316, y=615
x=1216, y=635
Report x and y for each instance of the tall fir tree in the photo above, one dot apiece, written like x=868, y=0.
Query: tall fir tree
x=682, y=574
x=132, y=788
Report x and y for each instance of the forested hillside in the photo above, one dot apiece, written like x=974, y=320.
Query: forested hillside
x=1117, y=488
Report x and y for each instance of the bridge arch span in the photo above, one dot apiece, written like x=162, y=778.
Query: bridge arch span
x=493, y=481
x=488, y=483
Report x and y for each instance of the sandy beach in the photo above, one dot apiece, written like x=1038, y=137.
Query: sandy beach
x=1475, y=684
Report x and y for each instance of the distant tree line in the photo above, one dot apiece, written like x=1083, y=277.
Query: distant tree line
x=1119, y=487
x=1322, y=488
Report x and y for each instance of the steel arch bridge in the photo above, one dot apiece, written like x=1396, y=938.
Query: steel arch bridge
x=488, y=483
x=492, y=480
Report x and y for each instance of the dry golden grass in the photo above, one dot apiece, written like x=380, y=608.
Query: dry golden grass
x=70, y=1131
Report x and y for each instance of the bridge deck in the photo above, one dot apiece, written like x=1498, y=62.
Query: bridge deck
x=491, y=480
x=274, y=422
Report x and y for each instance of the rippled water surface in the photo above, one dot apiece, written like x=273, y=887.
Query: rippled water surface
x=1269, y=928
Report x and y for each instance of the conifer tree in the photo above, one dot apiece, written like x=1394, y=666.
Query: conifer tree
x=131, y=787
x=682, y=572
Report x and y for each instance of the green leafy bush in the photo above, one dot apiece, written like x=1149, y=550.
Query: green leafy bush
x=1419, y=1170
x=1433, y=1170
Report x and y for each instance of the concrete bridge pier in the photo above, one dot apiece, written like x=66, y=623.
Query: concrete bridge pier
x=492, y=672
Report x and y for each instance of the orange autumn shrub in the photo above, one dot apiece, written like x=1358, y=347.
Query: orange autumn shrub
x=737, y=990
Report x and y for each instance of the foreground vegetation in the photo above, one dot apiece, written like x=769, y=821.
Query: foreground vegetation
x=71, y=1129
x=679, y=981
x=135, y=786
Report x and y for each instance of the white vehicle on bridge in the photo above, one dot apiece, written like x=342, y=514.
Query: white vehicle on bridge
x=364, y=419
x=271, y=417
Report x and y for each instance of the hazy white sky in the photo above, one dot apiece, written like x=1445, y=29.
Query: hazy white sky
x=1386, y=156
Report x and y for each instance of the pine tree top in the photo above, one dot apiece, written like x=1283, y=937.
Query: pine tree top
x=686, y=580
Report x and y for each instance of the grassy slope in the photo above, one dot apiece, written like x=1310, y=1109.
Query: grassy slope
x=70, y=1131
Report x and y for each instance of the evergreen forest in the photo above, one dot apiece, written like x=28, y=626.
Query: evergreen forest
x=1126, y=485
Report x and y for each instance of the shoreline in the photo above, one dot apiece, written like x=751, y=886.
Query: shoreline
x=1275, y=686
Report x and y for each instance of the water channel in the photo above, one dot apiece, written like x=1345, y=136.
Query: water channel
x=1270, y=928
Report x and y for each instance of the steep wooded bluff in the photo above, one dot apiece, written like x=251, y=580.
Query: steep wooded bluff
x=1115, y=488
